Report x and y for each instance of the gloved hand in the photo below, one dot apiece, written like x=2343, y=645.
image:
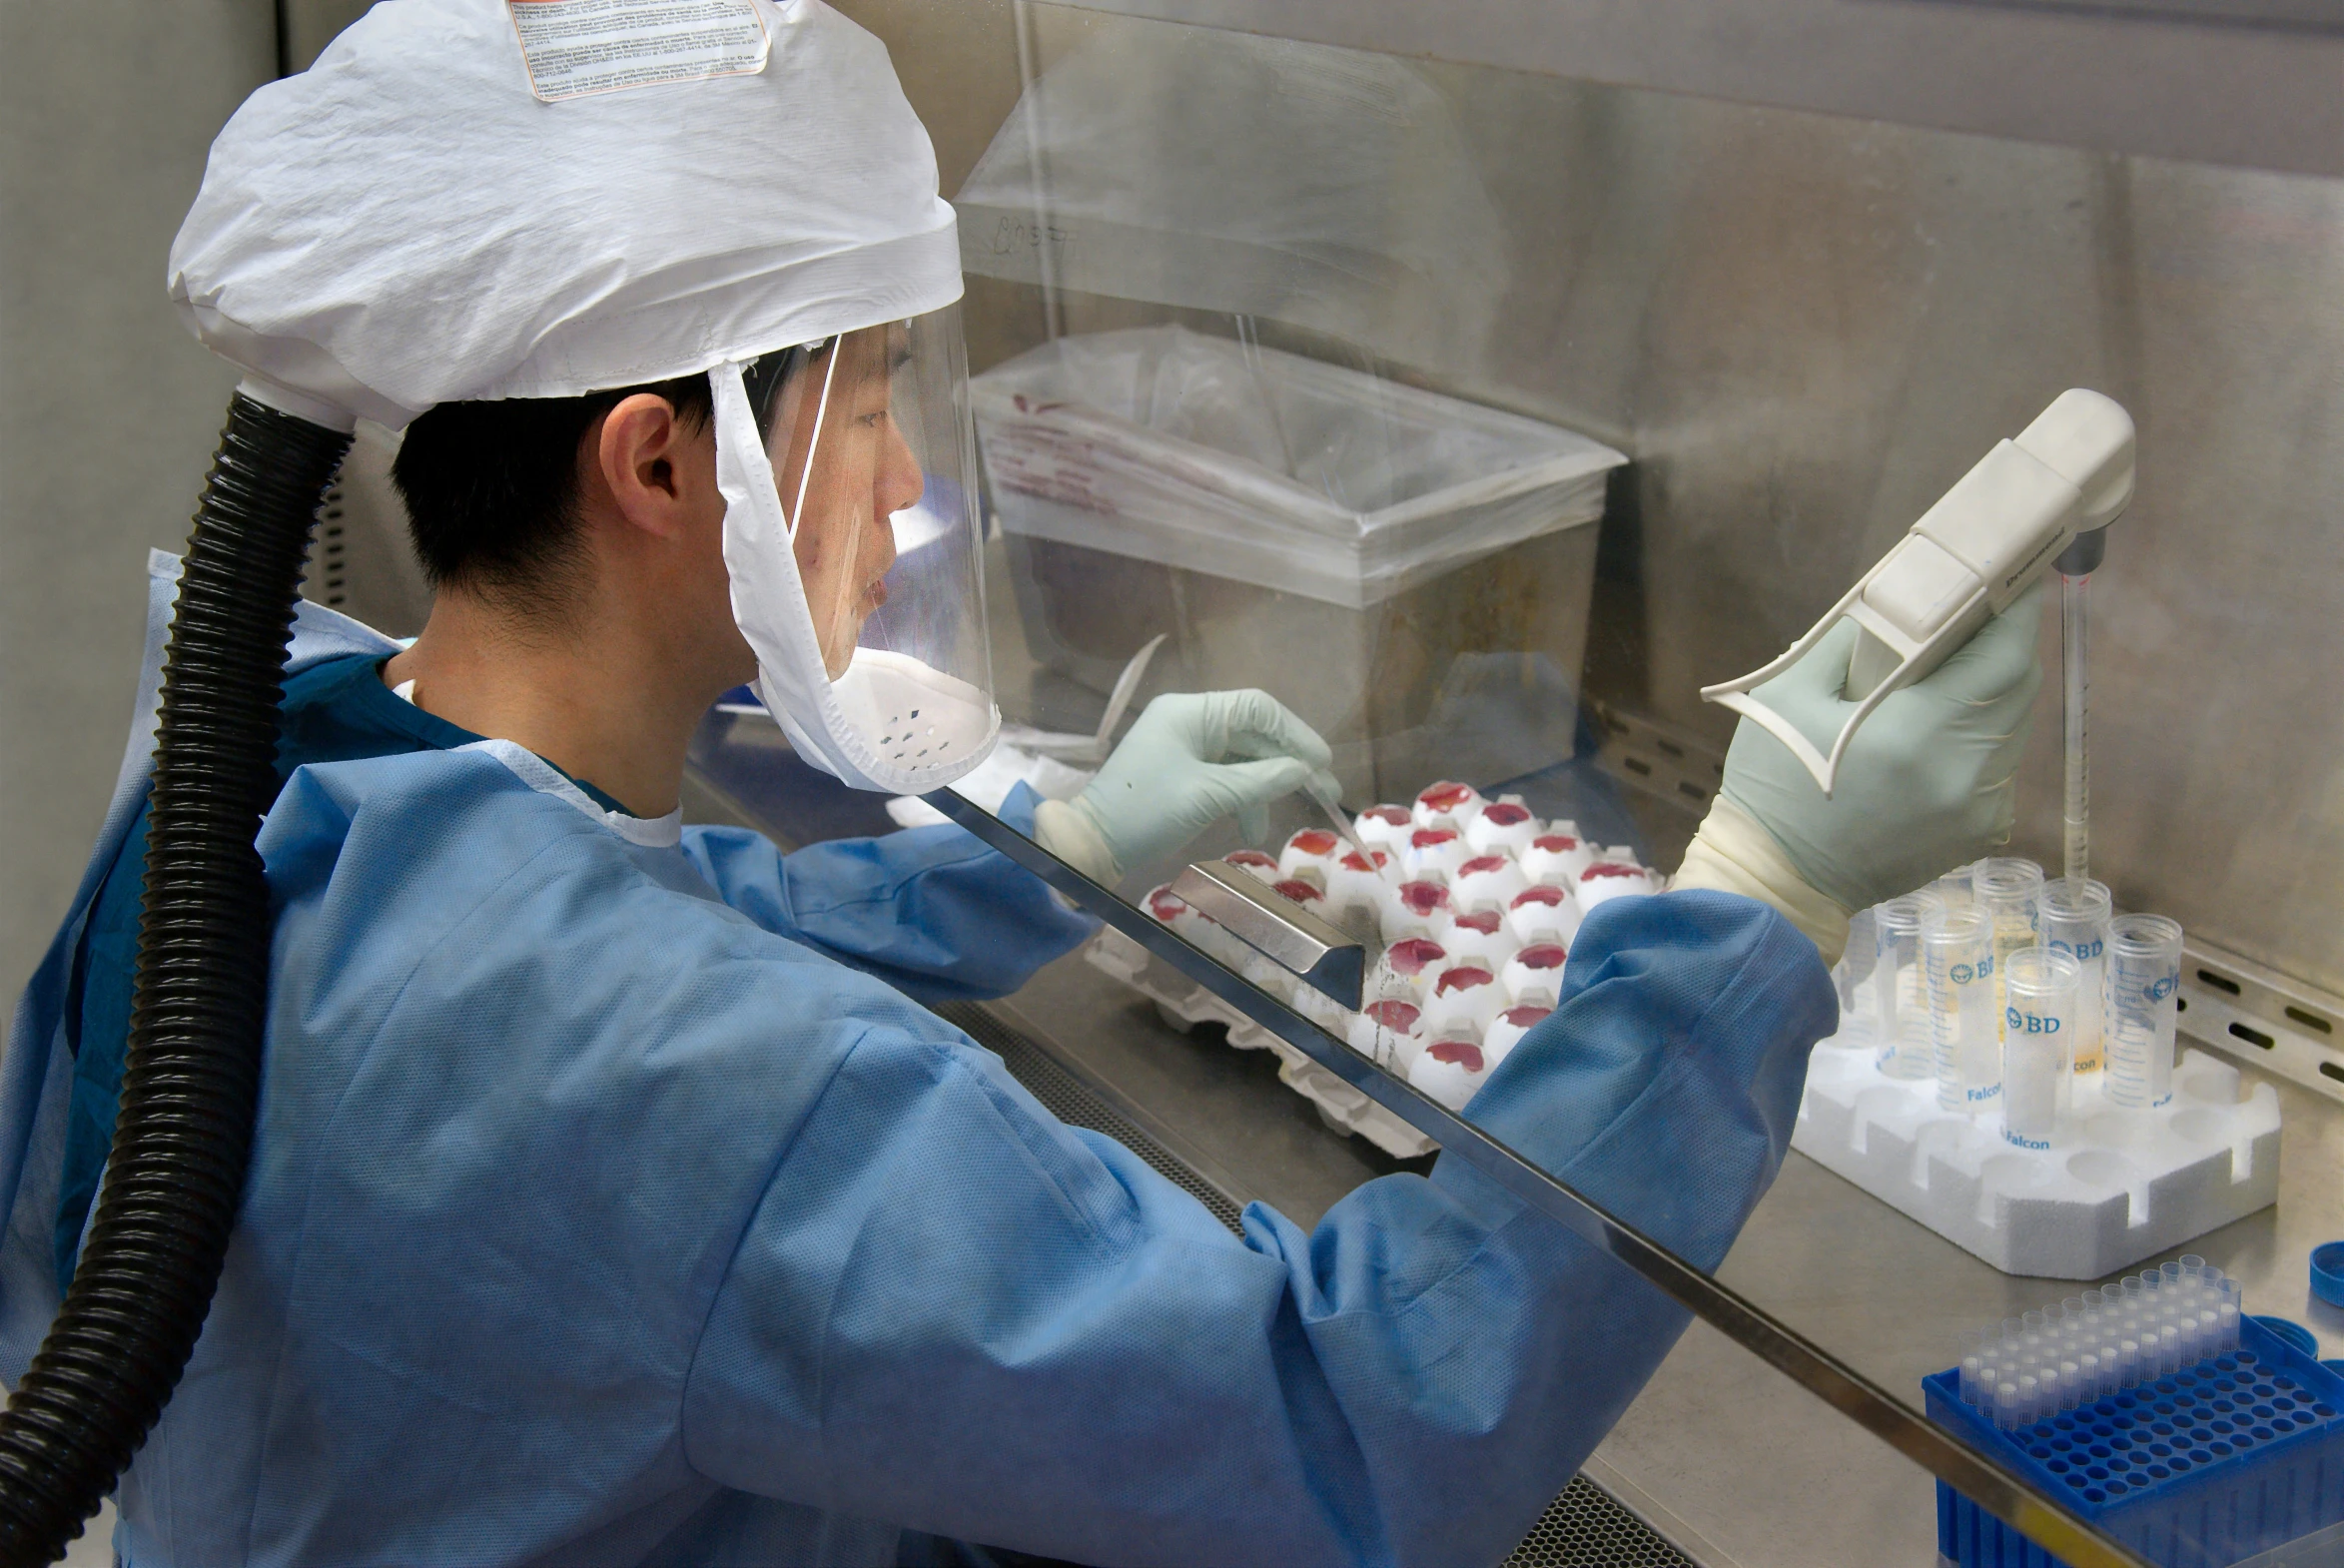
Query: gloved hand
x=1189, y=761
x=1926, y=784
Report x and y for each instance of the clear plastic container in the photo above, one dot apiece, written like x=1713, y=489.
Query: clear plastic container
x=2143, y=975
x=2072, y=915
x=1415, y=569
x=1957, y=964
x=2007, y=891
x=1904, y=1043
x=1954, y=889
x=1852, y=977
x=2038, y=1020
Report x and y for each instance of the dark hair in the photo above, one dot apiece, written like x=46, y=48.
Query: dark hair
x=491, y=488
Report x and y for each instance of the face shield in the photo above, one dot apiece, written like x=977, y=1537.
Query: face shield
x=850, y=533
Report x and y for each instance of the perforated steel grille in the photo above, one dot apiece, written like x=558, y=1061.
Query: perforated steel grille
x=1583, y=1528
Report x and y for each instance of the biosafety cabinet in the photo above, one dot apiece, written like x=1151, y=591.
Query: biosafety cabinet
x=1485, y=380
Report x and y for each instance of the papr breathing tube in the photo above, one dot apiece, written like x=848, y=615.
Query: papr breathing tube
x=190, y=1080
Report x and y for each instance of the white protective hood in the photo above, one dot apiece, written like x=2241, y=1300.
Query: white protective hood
x=407, y=223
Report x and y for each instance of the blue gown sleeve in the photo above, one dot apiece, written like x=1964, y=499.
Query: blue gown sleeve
x=931, y=911
x=953, y=1311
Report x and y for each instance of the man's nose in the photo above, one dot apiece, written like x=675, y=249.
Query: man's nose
x=901, y=483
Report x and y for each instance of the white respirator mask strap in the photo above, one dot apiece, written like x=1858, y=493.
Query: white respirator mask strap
x=797, y=508
x=890, y=722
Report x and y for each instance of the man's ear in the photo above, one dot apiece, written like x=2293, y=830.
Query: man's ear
x=639, y=456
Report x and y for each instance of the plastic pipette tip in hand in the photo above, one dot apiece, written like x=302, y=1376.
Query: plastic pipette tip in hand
x=1321, y=791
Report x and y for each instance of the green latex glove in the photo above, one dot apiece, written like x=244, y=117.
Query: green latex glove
x=1189, y=761
x=1926, y=784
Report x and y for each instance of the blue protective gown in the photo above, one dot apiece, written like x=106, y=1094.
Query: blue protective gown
x=597, y=1216
x=335, y=710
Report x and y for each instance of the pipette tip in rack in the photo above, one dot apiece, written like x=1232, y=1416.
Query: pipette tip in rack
x=2146, y=1327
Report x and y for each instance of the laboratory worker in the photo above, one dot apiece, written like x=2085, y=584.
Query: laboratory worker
x=615, y=1197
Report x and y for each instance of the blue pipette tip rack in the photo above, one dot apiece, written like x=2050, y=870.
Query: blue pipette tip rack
x=2295, y=1335
x=2239, y=1454
x=2327, y=1272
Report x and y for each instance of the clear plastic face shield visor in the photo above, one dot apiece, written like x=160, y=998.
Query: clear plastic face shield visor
x=851, y=537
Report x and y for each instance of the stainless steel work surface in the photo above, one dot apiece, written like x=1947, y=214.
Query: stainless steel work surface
x=1723, y=1453
x=1744, y=1469
x=1890, y=1296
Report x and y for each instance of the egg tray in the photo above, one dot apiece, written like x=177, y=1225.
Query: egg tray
x=1184, y=1003
x=2236, y=1456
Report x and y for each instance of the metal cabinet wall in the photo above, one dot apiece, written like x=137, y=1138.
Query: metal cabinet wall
x=1804, y=326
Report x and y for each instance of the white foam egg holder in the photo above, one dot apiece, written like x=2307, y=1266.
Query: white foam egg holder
x=2115, y=1187
x=1184, y=1005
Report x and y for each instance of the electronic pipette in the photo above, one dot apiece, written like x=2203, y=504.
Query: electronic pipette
x=1983, y=545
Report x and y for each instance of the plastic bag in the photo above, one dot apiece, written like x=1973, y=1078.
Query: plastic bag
x=1245, y=462
x=1323, y=187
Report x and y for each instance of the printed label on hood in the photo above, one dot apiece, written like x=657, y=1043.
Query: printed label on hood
x=573, y=48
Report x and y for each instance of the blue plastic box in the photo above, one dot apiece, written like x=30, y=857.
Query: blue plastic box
x=2235, y=1456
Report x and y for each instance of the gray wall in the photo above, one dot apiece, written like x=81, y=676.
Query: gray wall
x=108, y=409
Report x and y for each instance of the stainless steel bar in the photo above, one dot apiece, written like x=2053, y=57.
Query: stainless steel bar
x=2002, y=1493
x=1323, y=957
x=2258, y=1015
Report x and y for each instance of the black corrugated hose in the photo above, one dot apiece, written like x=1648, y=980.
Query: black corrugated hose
x=192, y=1075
